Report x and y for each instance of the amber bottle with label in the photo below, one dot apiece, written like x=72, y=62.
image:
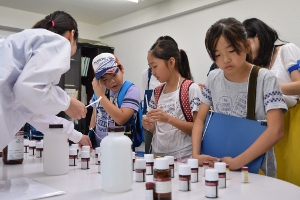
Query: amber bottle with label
x=162, y=177
x=13, y=152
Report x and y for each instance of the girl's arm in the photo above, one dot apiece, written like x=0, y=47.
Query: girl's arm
x=93, y=119
x=147, y=124
x=292, y=88
x=197, y=136
x=264, y=142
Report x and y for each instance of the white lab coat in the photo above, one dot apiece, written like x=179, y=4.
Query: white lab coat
x=31, y=64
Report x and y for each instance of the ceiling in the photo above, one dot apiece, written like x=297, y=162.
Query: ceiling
x=93, y=12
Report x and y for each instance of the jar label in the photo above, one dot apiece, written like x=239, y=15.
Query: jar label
x=163, y=185
x=149, y=169
x=194, y=177
x=211, y=191
x=140, y=175
x=15, y=148
x=149, y=195
x=184, y=185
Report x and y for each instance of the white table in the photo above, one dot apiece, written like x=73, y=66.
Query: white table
x=86, y=184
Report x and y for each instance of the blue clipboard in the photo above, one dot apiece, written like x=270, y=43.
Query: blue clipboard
x=225, y=135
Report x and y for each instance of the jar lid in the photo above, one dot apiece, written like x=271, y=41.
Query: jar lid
x=162, y=163
x=184, y=170
x=211, y=175
x=220, y=167
x=39, y=145
x=99, y=157
x=227, y=165
x=72, y=152
x=97, y=149
x=150, y=185
x=74, y=146
x=170, y=159
x=32, y=143
x=193, y=163
x=85, y=154
x=86, y=148
x=56, y=125
x=245, y=168
x=205, y=163
x=116, y=129
x=149, y=157
x=140, y=164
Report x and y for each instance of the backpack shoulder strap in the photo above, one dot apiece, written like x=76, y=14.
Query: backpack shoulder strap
x=157, y=92
x=126, y=85
x=251, y=98
x=184, y=100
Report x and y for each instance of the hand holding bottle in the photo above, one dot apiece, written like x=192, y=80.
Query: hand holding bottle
x=76, y=110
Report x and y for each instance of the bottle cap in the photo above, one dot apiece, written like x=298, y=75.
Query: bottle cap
x=56, y=125
x=149, y=157
x=175, y=159
x=245, y=168
x=161, y=163
x=170, y=159
x=32, y=143
x=97, y=149
x=193, y=163
x=211, y=175
x=75, y=146
x=85, y=154
x=72, y=152
x=184, y=170
x=227, y=165
x=205, y=163
x=116, y=129
x=140, y=164
x=220, y=167
x=26, y=142
x=99, y=157
x=39, y=145
x=86, y=148
x=133, y=155
x=150, y=185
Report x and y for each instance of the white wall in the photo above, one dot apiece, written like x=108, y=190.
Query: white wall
x=189, y=31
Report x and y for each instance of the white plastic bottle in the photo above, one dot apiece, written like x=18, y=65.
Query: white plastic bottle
x=56, y=151
x=116, y=161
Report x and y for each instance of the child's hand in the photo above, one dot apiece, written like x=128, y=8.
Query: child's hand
x=157, y=115
x=98, y=87
x=147, y=124
x=206, y=158
x=233, y=165
x=85, y=141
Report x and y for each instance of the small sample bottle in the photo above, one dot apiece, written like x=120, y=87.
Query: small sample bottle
x=86, y=148
x=149, y=191
x=133, y=160
x=140, y=170
x=75, y=146
x=175, y=164
x=193, y=163
x=211, y=183
x=13, y=152
x=205, y=167
x=72, y=157
x=162, y=178
x=227, y=172
x=39, y=149
x=32, y=146
x=149, y=163
x=171, y=164
x=97, y=152
x=0, y=153
x=221, y=168
x=184, y=178
x=85, y=160
x=26, y=145
x=245, y=175
x=99, y=164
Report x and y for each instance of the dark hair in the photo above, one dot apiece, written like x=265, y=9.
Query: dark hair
x=233, y=32
x=167, y=48
x=267, y=37
x=166, y=37
x=58, y=22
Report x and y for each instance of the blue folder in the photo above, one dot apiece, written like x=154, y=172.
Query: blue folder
x=227, y=135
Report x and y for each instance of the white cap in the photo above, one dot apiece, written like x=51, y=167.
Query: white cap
x=32, y=143
x=133, y=155
x=85, y=154
x=39, y=145
x=184, y=170
x=26, y=142
x=72, y=152
x=140, y=164
x=41, y=140
x=193, y=163
x=161, y=163
x=97, y=149
x=86, y=148
x=99, y=157
x=211, y=175
x=171, y=159
x=149, y=157
x=75, y=146
x=220, y=167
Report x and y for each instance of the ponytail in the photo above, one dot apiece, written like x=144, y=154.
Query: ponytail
x=58, y=22
x=184, y=67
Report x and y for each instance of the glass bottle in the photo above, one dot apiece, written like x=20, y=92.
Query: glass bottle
x=85, y=160
x=32, y=147
x=193, y=163
x=39, y=149
x=162, y=178
x=227, y=172
x=221, y=168
x=140, y=170
x=13, y=152
x=72, y=157
x=184, y=178
x=149, y=163
x=211, y=183
x=149, y=191
x=245, y=175
x=171, y=164
x=205, y=167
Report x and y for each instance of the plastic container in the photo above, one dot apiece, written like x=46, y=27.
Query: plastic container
x=56, y=151
x=13, y=152
x=116, y=161
x=221, y=168
x=193, y=163
x=184, y=172
x=211, y=183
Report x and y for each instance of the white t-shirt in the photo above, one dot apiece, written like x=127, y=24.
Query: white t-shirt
x=167, y=139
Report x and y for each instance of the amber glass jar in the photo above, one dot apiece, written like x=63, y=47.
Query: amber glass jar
x=13, y=152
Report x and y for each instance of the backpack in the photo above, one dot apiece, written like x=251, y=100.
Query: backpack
x=147, y=92
x=137, y=130
x=183, y=98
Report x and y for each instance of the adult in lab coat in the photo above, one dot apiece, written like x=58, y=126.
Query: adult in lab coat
x=31, y=64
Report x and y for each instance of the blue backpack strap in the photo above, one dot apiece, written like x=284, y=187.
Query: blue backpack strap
x=95, y=97
x=126, y=85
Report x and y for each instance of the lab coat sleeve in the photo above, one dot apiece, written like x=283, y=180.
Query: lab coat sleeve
x=48, y=58
x=41, y=123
